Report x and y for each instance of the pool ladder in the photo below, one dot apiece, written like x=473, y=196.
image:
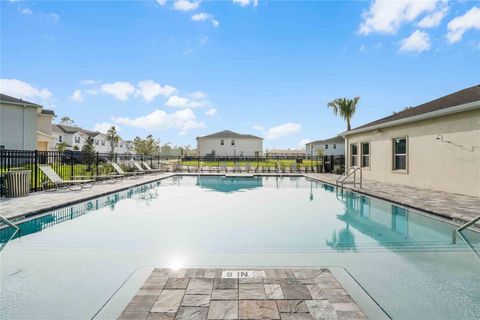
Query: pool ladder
x=351, y=171
x=6, y=221
x=459, y=232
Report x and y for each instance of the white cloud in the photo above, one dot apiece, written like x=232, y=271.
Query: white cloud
x=120, y=89
x=185, y=5
x=88, y=82
x=211, y=112
x=203, y=16
x=387, y=16
x=283, y=130
x=183, y=120
x=245, y=3
x=161, y=2
x=259, y=128
x=55, y=17
x=199, y=95
x=459, y=25
x=417, y=42
x=184, y=102
x=434, y=19
x=148, y=89
x=77, y=96
x=104, y=126
x=26, y=11
x=23, y=90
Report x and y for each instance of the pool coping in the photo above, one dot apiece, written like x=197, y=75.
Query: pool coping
x=419, y=209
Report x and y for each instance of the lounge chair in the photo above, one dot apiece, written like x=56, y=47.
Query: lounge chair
x=58, y=182
x=248, y=167
x=134, y=174
x=149, y=169
x=237, y=168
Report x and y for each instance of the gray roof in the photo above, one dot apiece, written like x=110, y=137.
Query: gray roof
x=464, y=96
x=227, y=134
x=48, y=112
x=71, y=129
x=332, y=139
x=9, y=99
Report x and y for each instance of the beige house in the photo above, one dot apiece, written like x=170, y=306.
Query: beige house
x=25, y=125
x=229, y=144
x=435, y=145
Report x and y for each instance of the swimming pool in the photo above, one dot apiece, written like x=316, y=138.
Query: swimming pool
x=68, y=262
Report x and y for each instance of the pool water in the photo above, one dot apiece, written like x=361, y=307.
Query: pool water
x=68, y=262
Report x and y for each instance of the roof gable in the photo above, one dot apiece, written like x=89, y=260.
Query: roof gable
x=8, y=99
x=229, y=135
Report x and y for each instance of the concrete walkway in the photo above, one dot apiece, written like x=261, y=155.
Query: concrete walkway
x=256, y=293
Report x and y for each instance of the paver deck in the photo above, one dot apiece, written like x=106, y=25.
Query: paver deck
x=460, y=208
x=270, y=293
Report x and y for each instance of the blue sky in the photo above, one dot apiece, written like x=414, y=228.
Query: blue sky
x=181, y=69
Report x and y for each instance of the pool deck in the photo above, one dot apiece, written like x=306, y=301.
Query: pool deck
x=457, y=207
x=252, y=293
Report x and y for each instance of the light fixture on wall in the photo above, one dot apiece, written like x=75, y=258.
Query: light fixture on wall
x=440, y=138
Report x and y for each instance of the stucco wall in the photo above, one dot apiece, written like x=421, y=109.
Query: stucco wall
x=18, y=127
x=452, y=167
x=244, y=146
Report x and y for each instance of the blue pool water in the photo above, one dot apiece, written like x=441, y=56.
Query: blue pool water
x=68, y=262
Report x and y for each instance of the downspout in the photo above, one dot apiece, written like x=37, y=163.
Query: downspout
x=24, y=120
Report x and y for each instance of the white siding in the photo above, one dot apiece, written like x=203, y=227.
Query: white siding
x=18, y=127
x=329, y=148
x=247, y=147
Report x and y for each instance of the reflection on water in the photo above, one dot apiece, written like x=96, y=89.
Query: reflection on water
x=227, y=185
x=145, y=194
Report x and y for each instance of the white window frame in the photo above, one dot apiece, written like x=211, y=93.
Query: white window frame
x=222, y=142
x=352, y=155
x=233, y=142
x=394, y=155
x=362, y=163
x=77, y=140
x=60, y=139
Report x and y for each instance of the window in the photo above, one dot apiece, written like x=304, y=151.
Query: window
x=326, y=146
x=365, y=155
x=103, y=142
x=77, y=139
x=400, y=154
x=96, y=142
x=354, y=155
x=121, y=145
x=222, y=142
x=233, y=142
x=334, y=146
x=60, y=138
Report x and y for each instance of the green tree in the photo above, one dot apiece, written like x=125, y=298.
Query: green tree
x=147, y=146
x=88, y=153
x=62, y=146
x=75, y=147
x=112, y=138
x=345, y=108
x=66, y=121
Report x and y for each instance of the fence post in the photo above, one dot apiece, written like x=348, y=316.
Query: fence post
x=96, y=164
x=35, y=179
x=71, y=164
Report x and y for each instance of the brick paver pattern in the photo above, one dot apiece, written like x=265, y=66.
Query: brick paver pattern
x=202, y=294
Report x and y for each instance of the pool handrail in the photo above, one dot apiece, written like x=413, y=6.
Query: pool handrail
x=17, y=229
x=463, y=227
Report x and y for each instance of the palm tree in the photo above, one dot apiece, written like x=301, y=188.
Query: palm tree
x=345, y=108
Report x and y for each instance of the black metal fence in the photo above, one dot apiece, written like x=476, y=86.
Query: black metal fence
x=69, y=164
